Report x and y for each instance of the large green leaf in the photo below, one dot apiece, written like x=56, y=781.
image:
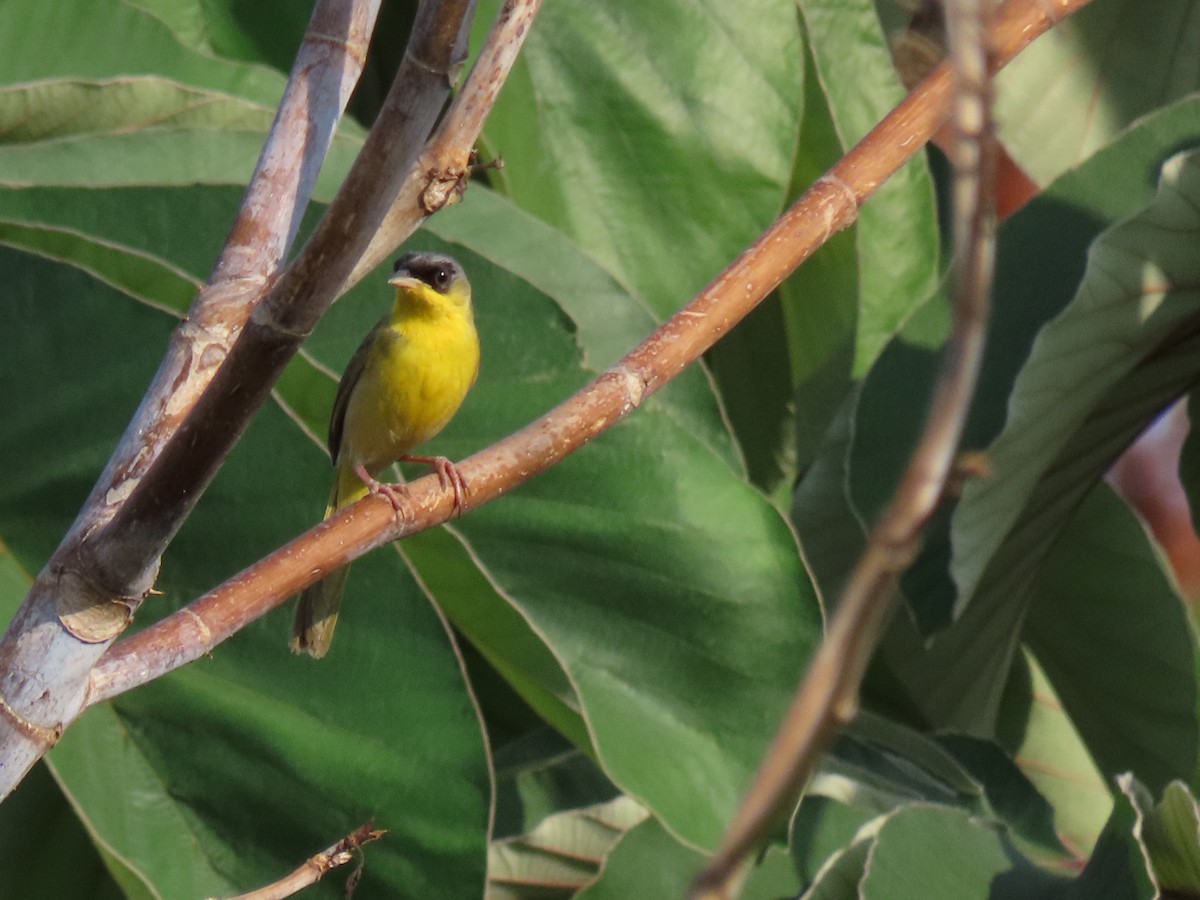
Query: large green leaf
x=659, y=136
x=39, y=828
x=896, y=231
x=563, y=854
x=94, y=114
x=1121, y=352
x=1113, y=638
x=92, y=41
x=959, y=678
x=649, y=862
x=1088, y=78
x=265, y=31
x=932, y=853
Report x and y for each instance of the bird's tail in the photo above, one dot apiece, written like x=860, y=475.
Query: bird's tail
x=317, y=609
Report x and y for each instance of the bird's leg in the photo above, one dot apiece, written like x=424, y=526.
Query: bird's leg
x=448, y=476
x=395, y=493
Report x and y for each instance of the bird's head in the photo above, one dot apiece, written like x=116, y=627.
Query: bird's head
x=431, y=278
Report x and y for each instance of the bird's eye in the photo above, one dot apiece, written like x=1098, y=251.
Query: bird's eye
x=441, y=279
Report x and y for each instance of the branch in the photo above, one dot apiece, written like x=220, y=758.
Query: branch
x=441, y=174
x=317, y=867
x=827, y=699
x=830, y=205
x=220, y=368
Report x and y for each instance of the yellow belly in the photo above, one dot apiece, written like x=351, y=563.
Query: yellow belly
x=412, y=384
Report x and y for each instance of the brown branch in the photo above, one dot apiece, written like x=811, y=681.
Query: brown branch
x=827, y=698
x=317, y=867
x=222, y=363
x=831, y=204
x=441, y=174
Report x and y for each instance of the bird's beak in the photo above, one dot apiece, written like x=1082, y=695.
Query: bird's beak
x=404, y=281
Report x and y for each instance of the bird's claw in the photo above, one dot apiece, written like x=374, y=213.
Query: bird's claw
x=448, y=477
x=396, y=494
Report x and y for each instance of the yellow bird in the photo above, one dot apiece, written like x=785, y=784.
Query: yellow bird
x=403, y=384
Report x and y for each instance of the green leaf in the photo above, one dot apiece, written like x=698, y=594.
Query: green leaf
x=1121, y=347
x=632, y=108
x=1096, y=376
x=958, y=678
x=562, y=854
x=819, y=299
x=932, y=853
x=1117, y=867
x=265, y=31
x=92, y=41
x=150, y=845
x=39, y=829
x=1169, y=832
x=823, y=834
x=139, y=131
x=1078, y=86
x=648, y=862
x=1114, y=639
x=539, y=774
x=1053, y=756
x=896, y=232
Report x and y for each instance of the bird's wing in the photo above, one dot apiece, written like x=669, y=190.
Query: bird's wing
x=350, y=377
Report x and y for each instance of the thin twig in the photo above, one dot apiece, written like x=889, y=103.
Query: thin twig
x=831, y=204
x=827, y=698
x=317, y=867
x=441, y=174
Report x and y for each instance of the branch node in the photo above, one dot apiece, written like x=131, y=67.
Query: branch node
x=201, y=626
x=634, y=385
x=43, y=735
x=444, y=187
x=90, y=613
x=849, y=197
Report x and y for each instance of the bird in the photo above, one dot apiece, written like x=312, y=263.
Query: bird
x=406, y=380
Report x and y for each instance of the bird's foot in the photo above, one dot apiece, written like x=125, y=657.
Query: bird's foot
x=448, y=476
x=396, y=494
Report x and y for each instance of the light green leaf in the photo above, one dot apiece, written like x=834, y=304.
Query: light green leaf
x=896, y=231
x=1078, y=86
x=562, y=854
x=929, y=853
x=630, y=108
x=1055, y=759
x=1169, y=832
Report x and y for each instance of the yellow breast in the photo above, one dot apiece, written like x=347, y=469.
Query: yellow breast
x=415, y=377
